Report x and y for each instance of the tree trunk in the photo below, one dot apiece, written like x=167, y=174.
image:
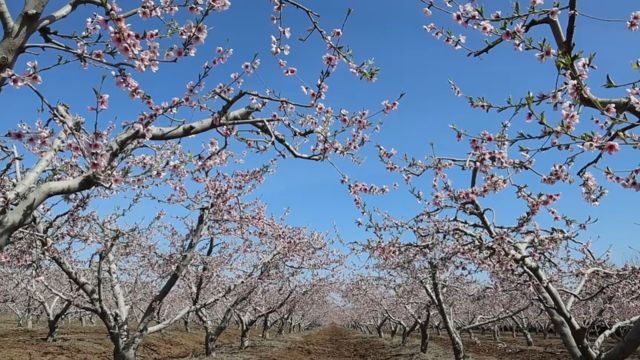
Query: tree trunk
x=53, y=331
x=424, y=336
x=525, y=332
x=244, y=338
x=211, y=336
x=379, y=327
x=128, y=353
x=185, y=322
x=456, y=342
x=394, y=330
x=125, y=350
x=472, y=335
x=210, y=339
x=281, y=326
x=406, y=332
x=53, y=322
x=369, y=331
x=403, y=331
x=527, y=336
x=265, y=327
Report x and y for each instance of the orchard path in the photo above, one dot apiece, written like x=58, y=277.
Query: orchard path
x=337, y=343
x=333, y=342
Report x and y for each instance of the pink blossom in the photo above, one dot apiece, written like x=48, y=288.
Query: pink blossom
x=330, y=60
x=485, y=27
x=634, y=21
x=389, y=106
x=546, y=53
x=611, y=147
x=610, y=110
x=103, y=101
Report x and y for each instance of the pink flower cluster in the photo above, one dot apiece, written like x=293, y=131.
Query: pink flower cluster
x=29, y=77
x=634, y=21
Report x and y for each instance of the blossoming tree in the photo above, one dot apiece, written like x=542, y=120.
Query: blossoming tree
x=465, y=199
x=74, y=150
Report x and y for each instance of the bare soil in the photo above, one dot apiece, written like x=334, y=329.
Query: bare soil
x=327, y=343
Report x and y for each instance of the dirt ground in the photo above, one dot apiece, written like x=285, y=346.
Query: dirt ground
x=327, y=343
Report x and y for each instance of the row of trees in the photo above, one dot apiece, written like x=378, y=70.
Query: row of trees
x=407, y=292
x=77, y=191
x=488, y=218
x=147, y=222
x=232, y=262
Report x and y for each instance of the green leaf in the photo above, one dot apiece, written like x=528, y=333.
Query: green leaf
x=529, y=99
x=610, y=83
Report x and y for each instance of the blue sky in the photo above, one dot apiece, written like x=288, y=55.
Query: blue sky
x=411, y=61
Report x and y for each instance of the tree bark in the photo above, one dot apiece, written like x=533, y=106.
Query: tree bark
x=407, y=331
x=265, y=327
x=53, y=323
x=379, y=327
x=524, y=331
x=394, y=331
x=126, y=353
x=424, y=336
x=210, y=339
x=14, y=39
x=211, y=335
x=244, y=337
x=456, y=342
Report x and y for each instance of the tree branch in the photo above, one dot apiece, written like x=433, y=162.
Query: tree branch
x=495, y=319
x=600, y=340
x=6, y=19
x=64, y=11
x=571, y=26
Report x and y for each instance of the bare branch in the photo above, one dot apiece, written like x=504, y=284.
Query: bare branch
x=495, y=319
x=600, y=340
x=6, y=19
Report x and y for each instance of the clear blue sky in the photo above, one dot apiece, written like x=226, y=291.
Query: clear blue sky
x=411, y=62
